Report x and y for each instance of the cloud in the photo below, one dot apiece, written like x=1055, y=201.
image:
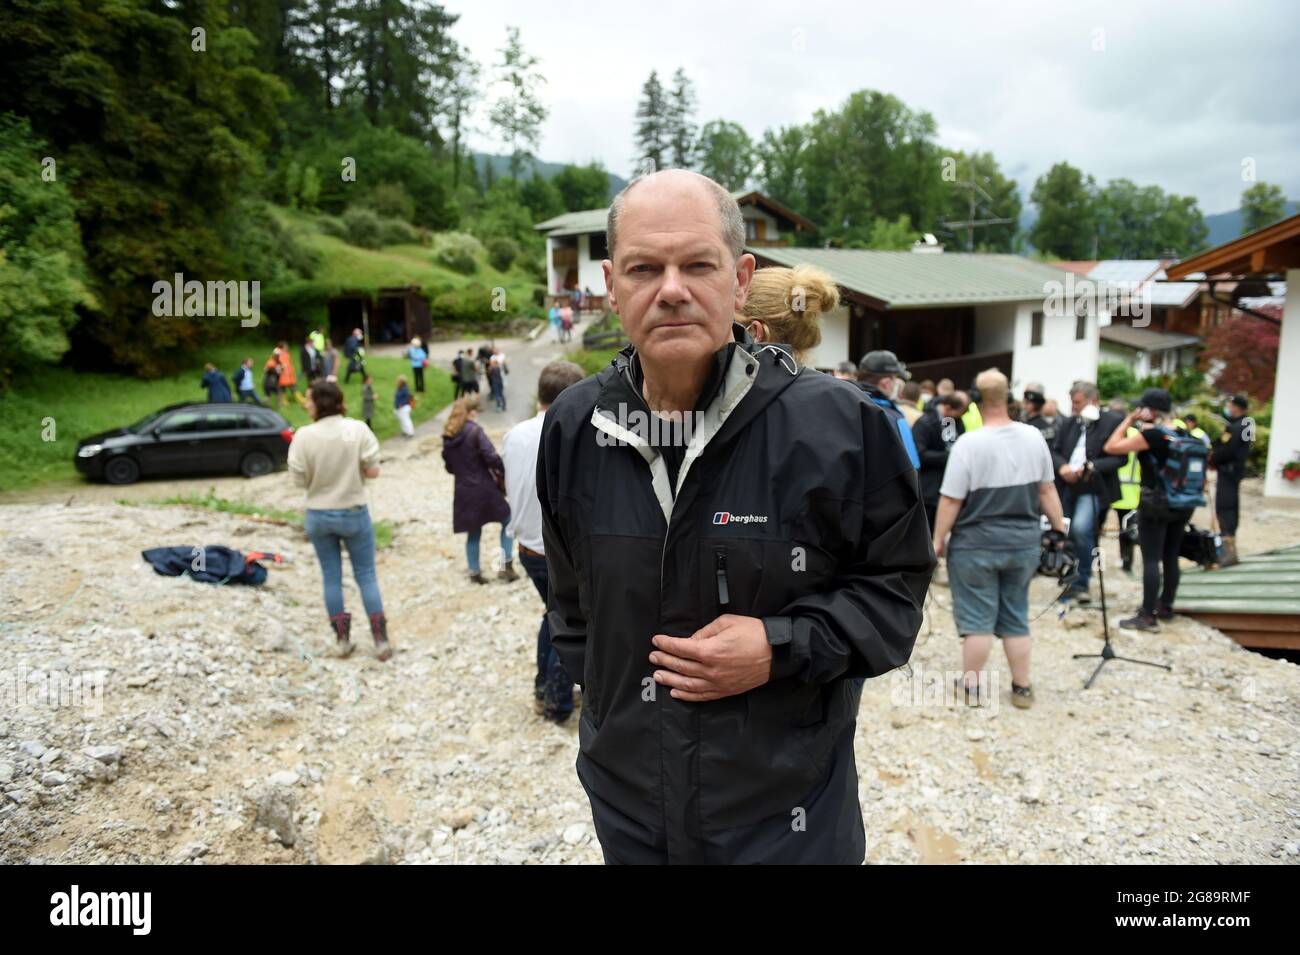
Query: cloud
x=1174, y=95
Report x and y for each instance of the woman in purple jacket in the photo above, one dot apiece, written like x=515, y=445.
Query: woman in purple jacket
x=468, y=453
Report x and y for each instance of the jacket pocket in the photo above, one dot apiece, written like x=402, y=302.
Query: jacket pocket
x=818, y=728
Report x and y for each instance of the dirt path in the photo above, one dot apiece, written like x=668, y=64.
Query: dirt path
x=227, y=733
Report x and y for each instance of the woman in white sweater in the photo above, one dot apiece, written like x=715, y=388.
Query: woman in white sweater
x=331, y=459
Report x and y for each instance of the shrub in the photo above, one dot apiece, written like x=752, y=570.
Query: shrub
x=458, y=252
x=363, y=227
x=473, y=303
x=391, y=200
x=397, y=232
x=1115, y=379
x=333, y=226
x=502, y=253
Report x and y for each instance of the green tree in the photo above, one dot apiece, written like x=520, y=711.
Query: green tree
x=1261, y=205
x=652, y=126
x=996, y=196
x=1144, y=222
x=518, y=112
x=726, y=153
x=871, y=158
x=166, y=143
x=583, y=187
x=780, y=155
x=42, y=270
x=459, y=94
x=541, y=198
x=681, y=121
x=1067, y=213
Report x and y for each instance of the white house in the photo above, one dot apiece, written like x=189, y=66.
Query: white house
x=575, y=241
x=953, y=314
x=1270, y=253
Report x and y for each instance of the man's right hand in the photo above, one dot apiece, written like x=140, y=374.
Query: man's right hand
x=1068, y=474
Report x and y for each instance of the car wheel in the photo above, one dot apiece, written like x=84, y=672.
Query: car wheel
x=121, y=471
x=256, y=464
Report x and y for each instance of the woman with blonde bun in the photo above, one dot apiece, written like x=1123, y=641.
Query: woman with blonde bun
x=785, y=307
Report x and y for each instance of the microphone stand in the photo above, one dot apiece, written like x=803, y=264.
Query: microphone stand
x=1107, y=649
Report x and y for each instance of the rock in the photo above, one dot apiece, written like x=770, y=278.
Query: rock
x=460, y=818
x=192, y=851
x=275, y=808
x=54, y=778
x=141, y=679
x=4, y=730
x=104, y=754
x=6, y=773
x=32, y=748
x=50, y=756
x=575, y=833
x=284, y=777
x=1032, y=794
x=974, y=734
x=401, y=731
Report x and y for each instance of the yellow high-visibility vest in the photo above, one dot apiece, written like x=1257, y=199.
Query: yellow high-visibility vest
x=1130, y=480
x=972, y=418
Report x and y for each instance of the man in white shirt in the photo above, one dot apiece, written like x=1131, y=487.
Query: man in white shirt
x=553, y=687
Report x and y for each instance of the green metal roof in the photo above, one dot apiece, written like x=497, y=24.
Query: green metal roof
x=925, y=279
x=574, y=223
x=1267, y=583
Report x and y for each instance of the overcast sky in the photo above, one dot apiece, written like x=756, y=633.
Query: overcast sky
x=1175, y=94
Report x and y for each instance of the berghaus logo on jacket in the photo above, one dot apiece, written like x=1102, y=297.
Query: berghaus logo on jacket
x=726, y=517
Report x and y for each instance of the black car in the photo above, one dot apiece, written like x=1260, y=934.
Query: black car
x=189, y=438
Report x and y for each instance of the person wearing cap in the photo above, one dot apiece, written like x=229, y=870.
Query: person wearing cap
x=1034, y=399
x=879, y=374
x=1160, y=534
x=1228, y=458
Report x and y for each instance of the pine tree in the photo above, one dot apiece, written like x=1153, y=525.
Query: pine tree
x=681, y=121
x=518, y=112
x=652, y=130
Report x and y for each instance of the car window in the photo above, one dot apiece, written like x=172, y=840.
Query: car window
x=182, y=422
x=145, y=423
x=222, y=421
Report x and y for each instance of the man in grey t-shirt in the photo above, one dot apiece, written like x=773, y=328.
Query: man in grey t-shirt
x=999, y=479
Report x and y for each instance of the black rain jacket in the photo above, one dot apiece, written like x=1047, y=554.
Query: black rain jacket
x=796, y=503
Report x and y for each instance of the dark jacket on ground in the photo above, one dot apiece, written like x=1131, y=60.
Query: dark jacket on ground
x=1105, y=476
x=802, y=509
x=470, y=456
x=932, y=448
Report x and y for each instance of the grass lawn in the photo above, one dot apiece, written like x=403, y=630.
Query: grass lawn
x=72, y=406
x=593, y=361
x=211, y=502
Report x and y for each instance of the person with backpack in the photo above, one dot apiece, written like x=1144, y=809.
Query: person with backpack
x=1173, y=485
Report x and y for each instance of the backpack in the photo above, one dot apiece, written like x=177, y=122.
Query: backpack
x=1182, y=476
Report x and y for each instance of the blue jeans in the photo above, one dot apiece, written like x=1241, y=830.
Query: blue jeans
x=327, y=530
x=552, y=685
x=1082, y=510
x=471, y=546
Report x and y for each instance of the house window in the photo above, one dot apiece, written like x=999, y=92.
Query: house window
x=751, y=230
x=1081, y=325
x=599, y=247
x=1036, y=329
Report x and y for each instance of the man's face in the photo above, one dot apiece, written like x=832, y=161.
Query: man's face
x=672, y=280
x=1078, y=401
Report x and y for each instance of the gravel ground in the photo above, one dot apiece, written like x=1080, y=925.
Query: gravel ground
x=246, y=741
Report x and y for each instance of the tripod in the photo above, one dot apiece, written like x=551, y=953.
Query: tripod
x=1107, y=651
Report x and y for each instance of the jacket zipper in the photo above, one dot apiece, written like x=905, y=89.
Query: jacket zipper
x=720, y=570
